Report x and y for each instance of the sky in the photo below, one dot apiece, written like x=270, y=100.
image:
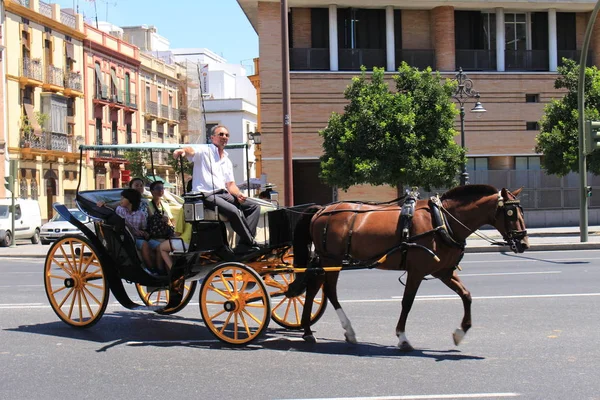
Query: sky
x=218, y=25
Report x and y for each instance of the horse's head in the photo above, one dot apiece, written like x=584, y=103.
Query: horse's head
x=510, y=221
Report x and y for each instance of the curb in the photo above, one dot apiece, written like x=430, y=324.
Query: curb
x=534, y=247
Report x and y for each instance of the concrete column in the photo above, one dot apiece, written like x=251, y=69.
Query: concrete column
x=333, y=38
x=552, y=41
x=500, y=40
x=389, y=39
x=442, y=21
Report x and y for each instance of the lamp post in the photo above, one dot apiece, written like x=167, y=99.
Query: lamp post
x=253, y=137
x=463, y=92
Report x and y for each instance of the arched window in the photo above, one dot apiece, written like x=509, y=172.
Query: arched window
x=34, y=189
x=23, y=188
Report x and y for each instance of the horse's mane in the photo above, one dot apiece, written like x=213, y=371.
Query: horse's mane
x=469, y=191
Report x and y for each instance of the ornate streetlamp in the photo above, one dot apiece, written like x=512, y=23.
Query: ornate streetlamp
x=463, y=92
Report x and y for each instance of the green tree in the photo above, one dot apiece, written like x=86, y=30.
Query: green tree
x=137, y=162
x=405, y=137
x=558, y=139
x=175, y=164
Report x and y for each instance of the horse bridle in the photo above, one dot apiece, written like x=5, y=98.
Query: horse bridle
x=511, y=210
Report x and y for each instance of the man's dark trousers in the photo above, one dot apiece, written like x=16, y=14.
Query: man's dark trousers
x=242, y=217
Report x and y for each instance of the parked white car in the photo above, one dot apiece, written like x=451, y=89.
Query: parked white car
x=57, y=227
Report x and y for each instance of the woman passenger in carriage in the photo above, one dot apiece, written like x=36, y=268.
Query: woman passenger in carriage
x=129, y=210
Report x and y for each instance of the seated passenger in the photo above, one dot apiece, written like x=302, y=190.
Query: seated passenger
x=137, y=184
x=136, y=221
x=180, y=243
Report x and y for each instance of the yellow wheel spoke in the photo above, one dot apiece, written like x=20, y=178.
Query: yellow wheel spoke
x=80, y=306
x=296, y=310
x=60, y=289
x=287, y=310
x=66, y=259
x=87, y=304
x=66, y=297
x=245, y=323
x=219, y=303
x=73, y=255
x=255, y=305
x=72, y=305
x=251, y=316
x=225, y=323
x=280, y=303
x=216, y=315
x=91, y=295
x=235, y=326
x=225, y=283
x=220, y=292
x=62, y=266
x=234, y=280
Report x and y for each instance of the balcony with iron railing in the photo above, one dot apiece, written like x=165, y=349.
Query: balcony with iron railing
x=73, y=81
x=307, y=59
x=24, y=3
x=101, y=92
x=68, y=19
x=151, y=108
x=353, y=59
x=419, y=58
x=31, y=69
x=164, y=112
x=54, y=77
x=476, y=60
x=526, y=60
x=47, y=141
x=130, y=100
x=174, y=114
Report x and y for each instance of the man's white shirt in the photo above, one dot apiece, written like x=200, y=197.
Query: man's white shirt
x=210, y=172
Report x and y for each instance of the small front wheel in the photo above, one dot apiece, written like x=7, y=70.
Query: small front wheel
x=7, y=241
x=160, y=297
x=75, y=283
x=287, y=311
x=235, y=304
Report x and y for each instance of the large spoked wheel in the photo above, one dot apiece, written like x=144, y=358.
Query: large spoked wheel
x=75, y=283
x=235, y=304
x=160, y=297
x=287, y=312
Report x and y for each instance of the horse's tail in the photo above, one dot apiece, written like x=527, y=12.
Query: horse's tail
x=302, y=238
x=302, y=243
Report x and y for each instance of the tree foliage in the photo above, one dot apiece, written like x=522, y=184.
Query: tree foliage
x=175, y=164
x=137, y=162
x=405, y=137
x=558, y=139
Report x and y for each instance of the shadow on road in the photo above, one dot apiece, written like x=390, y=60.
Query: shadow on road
x=145, y=329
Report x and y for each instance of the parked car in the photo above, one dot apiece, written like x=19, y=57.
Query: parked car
x=28, y=220
x=57, y=227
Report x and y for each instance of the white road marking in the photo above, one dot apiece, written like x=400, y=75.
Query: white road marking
x=392, y=299
x=424, y=396
x=512, y=273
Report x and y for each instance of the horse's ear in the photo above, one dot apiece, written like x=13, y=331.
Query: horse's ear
x=517, y=192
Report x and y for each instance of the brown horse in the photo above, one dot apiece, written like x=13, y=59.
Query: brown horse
x=359, y=235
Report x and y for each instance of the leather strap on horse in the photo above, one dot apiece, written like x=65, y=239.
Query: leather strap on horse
x=441, y=225
x=328, y=214
x=350, y=231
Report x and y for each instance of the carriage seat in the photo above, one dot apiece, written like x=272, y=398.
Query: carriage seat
x=195, y=210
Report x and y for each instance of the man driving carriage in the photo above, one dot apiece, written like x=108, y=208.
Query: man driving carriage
x=213, y=176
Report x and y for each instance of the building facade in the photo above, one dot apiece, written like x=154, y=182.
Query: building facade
x=112, y=86
x=45, y=108
x=511, y=52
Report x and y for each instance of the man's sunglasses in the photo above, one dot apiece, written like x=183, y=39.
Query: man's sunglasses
x=223, y=134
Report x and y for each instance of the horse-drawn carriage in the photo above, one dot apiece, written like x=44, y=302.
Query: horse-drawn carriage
x=239, y=294
x=423, y=237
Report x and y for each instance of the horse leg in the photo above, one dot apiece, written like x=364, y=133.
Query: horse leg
x=330, y=290
x=312, y=288
x=452, y=280
x=410, y=291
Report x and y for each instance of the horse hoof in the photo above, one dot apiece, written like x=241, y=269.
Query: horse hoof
x=309, y=339
x=458, y=336
x=350, y=338
x=405, y=347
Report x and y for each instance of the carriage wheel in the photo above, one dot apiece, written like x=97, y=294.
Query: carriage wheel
x=287, y=312
x=234, y=303
x=160, y=297
x=75, y=283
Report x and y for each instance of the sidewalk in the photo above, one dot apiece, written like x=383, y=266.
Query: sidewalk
x=559, y=238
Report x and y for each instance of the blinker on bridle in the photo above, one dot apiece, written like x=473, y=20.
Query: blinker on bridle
x=511, y=214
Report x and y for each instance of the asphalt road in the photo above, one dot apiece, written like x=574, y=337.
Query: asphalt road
x=534, y=336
